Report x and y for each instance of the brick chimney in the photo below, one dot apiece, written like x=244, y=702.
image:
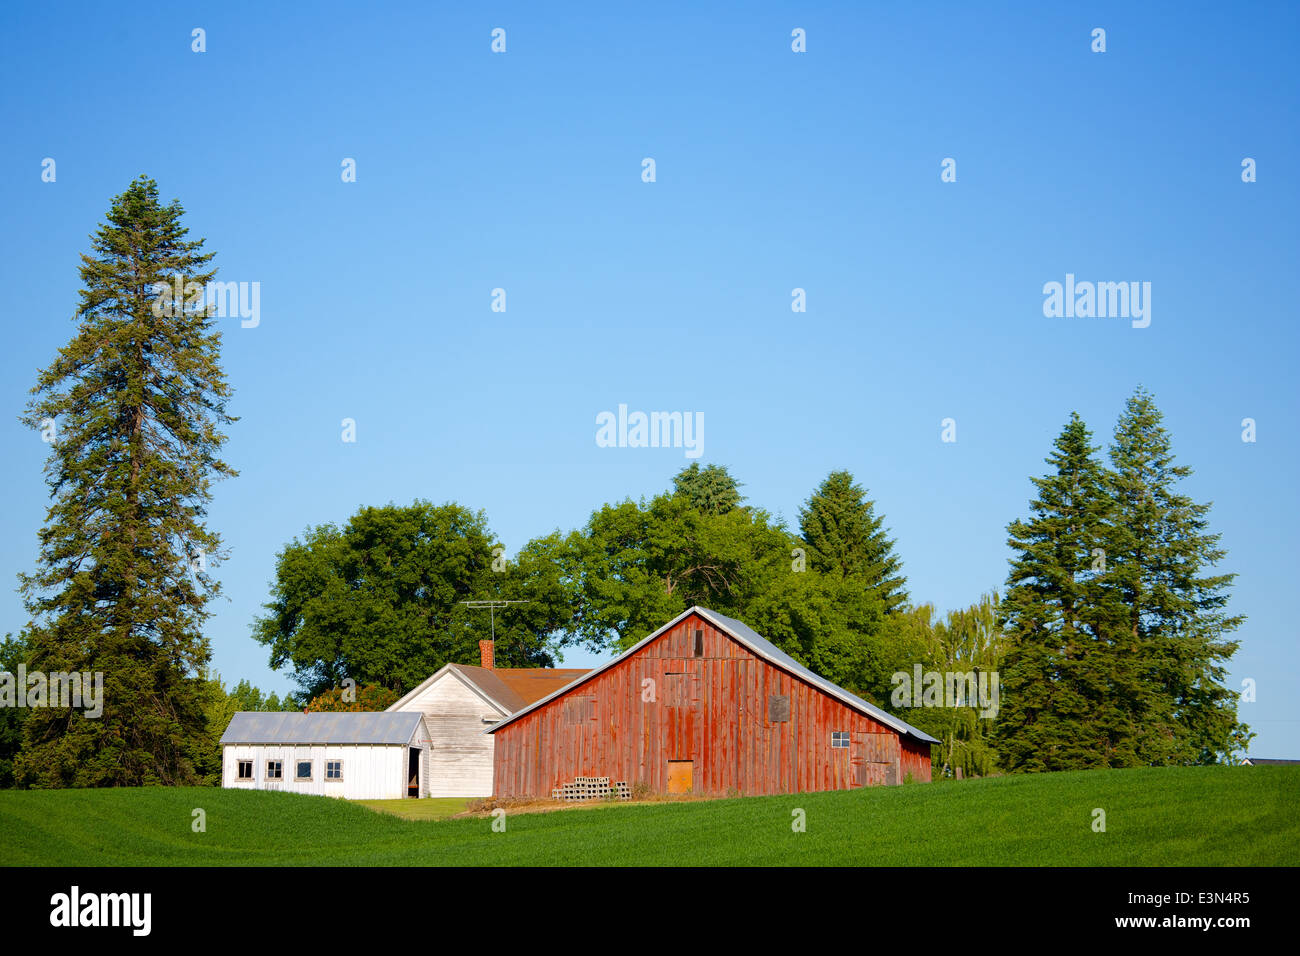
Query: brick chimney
x=485, y=654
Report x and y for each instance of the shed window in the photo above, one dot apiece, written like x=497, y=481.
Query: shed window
x=778, y=708
x=245, y=770
x=839, y=739
x=274, y=770
x=304, y=770
x=333, y=769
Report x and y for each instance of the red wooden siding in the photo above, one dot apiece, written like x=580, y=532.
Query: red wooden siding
x=712, y=710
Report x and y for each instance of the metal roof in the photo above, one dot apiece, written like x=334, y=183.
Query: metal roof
x=763, y=648
x=249, y=727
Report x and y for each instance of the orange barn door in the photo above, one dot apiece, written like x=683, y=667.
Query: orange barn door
x=681, y=774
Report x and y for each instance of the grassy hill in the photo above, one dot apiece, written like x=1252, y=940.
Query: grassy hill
x=1217, y=816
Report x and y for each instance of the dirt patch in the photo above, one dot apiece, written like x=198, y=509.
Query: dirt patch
x=484, y=807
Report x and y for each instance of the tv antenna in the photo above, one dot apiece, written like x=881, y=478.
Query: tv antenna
x=492, y=607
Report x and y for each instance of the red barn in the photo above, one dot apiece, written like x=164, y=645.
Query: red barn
x=705, y=704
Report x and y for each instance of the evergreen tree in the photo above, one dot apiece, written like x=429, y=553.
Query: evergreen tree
x=1069, y=682
x=711, y=490
x=13, y=652
x=134, y=403
x=1160, y=552
x=845, y=536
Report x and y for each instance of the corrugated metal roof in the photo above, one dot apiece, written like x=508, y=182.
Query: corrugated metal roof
x=249, y=727
x=760, y=646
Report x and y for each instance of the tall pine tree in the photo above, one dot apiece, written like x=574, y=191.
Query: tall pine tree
x=134, y=403
x=1161, y=553
x=1069, y=679
x=845, y=536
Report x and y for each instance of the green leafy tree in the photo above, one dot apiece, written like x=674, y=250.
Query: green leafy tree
x=1070, y=690
x=379, y=600
x=965, y=642
x=134, y=404
x=1161, y=551
x=830, y=625
x=845, y=536
x=371, y=698
x=246, y=697
x=219, y=707
x=637, y=565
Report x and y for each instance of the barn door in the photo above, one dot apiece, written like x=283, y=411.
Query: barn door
x=681, y=776
x=682, y=697
x=413, y=772
x=875, y=762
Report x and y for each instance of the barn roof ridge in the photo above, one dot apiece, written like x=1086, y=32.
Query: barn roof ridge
x=742, y=632
x=327, y=727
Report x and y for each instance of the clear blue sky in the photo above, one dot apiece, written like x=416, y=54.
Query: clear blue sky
x=775, y=170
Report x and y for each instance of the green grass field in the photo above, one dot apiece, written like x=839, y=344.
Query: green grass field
x=1216, y=816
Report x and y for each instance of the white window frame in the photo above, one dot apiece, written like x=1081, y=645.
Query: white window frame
x=840, y=739
x=311, y=770
x=339, y=778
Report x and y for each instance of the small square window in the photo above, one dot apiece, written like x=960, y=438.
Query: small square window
x=274, y=770
x=840, y=739
x=304, y=770
x=245, y=770
x=333, y=769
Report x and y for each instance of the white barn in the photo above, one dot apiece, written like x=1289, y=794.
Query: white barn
x=360, y=756
x=459, y=702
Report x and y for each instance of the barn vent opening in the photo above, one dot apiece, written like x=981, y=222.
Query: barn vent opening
x=699, y=642
x=579, y=710
x=778, y=708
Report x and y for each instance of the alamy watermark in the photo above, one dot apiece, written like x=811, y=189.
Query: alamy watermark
x=651, y=430
x=60, y=690
x=946, y=689
x=1102, y=300
x=225, y=300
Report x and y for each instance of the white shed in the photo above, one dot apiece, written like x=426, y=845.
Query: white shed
x=360, y=756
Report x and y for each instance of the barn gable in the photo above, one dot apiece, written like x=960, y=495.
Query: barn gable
x=705, y=704
x=739, y=631
x=458, y=701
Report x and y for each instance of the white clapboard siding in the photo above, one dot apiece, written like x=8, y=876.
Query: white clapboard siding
x=460, y=755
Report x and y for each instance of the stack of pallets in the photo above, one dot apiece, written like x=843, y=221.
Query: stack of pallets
x=591, y=788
